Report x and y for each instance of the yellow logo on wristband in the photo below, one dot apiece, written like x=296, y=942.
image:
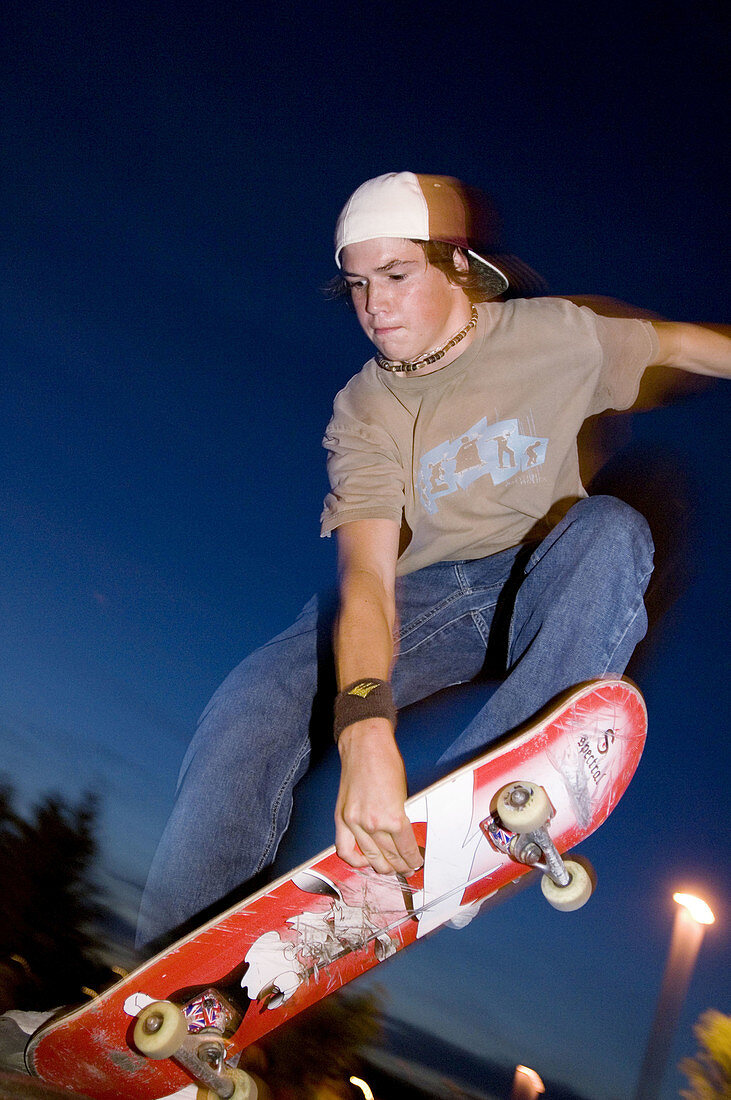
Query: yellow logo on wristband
x=364, y=688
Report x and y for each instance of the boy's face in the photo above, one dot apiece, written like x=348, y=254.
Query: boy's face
x=405, y=306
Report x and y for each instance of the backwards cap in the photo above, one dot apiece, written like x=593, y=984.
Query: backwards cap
x=416, y=207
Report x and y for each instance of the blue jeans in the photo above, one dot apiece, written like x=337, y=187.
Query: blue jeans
x=543, y=617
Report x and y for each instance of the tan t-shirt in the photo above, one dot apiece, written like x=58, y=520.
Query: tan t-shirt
x=481, y=455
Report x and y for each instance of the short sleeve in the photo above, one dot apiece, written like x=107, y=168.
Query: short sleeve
x=628, y=346
x=365, y=472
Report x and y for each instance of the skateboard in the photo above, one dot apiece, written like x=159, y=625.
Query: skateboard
x=183, y=1016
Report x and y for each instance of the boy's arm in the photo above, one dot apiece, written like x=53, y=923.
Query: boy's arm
x=371, y=827
x=694, y=348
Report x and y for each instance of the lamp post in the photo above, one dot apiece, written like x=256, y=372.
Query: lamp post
x=526, y=1084
x=691, y=918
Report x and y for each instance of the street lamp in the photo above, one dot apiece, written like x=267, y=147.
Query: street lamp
x=692, y=917
x=526, y=1084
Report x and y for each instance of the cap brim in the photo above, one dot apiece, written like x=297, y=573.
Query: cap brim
x=501, y=278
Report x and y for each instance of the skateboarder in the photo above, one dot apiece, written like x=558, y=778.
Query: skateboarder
x=436, y=575
x=432, y=574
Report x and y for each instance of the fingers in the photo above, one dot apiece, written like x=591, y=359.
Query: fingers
x=347, y=848
x=387, y=852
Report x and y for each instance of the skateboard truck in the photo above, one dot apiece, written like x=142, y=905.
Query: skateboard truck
x=161, y=1031
x=518, y=828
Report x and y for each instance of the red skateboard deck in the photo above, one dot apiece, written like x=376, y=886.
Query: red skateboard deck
x=311, y=931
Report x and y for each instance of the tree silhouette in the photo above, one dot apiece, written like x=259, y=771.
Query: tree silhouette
x=48, y=904
x=709, y=1072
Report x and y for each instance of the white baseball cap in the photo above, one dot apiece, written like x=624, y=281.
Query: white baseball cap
x=415, y=207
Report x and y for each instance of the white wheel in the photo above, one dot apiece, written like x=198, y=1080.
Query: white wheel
x=245, y=1087
x=573, y=896
x=160, y=1030
x=523, y=807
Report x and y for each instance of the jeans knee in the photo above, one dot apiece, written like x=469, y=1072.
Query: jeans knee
x=601, y=539
x=610, y=519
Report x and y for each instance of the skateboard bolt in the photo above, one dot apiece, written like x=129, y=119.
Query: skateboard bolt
x=531, y=854
x=518, y=796
x=153, y=1023
x=210, y=1052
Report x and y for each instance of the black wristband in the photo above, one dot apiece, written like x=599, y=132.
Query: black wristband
x=362, y=699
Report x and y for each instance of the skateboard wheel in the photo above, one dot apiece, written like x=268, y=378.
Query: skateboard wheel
x=575, y=894
x=245, y=1087
x=160, y=1030
x=523, y=807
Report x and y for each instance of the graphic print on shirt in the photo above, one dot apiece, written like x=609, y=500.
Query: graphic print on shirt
x=499, y=449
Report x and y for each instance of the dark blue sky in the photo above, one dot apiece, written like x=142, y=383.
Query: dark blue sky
x=171, y=176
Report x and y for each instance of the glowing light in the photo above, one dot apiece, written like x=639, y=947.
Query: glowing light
x=532, y=1077
x=363, y=1086
x=698, y=909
